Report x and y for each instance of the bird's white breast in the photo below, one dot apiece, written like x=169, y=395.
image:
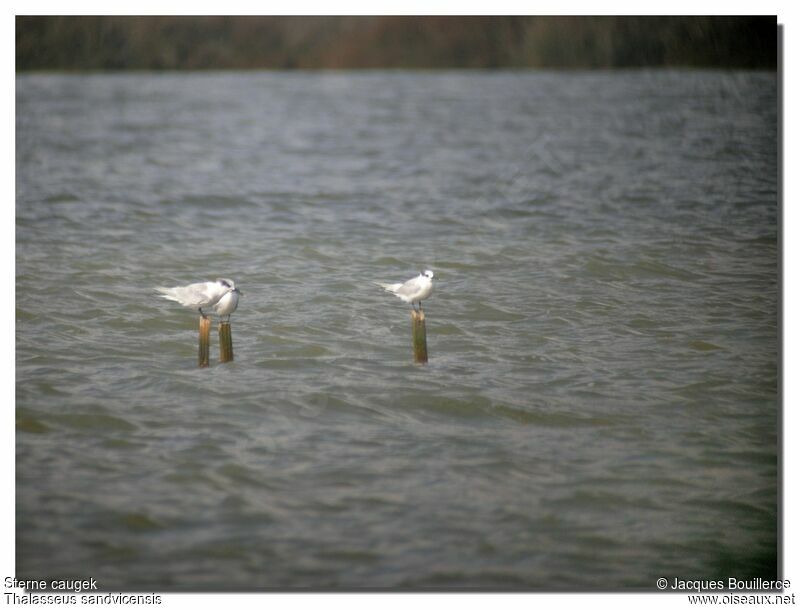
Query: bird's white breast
x=227, y=304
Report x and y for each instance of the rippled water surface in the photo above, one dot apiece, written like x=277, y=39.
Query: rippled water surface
x=601, y=405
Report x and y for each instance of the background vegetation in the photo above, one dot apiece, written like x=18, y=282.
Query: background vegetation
x=197, y=43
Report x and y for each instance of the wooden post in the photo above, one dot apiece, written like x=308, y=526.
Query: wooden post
x=205, y=333
x=225, y=342
x=418, y=336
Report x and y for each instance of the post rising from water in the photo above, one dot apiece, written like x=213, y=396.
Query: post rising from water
x=418, y=336
x=205, y=334
x=225, y=342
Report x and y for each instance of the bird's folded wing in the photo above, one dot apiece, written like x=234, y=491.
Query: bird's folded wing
x=409, y=288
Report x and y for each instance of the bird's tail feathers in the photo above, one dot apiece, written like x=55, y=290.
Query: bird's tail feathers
x=388, y=287
x=166, y=293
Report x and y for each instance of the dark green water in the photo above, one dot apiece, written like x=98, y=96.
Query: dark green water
x=601, y=404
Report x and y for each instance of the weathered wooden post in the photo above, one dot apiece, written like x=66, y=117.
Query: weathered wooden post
x=205, y=334
x=225, y=342
x=418, y=336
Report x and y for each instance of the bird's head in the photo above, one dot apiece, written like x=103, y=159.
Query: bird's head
x=229, y=285
x=428, y=274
